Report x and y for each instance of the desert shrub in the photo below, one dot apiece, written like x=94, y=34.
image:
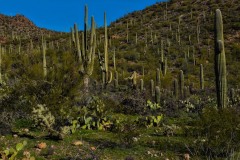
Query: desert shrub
x=131, y=56
x=217, y=132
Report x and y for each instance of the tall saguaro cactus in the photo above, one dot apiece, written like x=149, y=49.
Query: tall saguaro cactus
x=201, y=77
x=220, y=62
x=44, y=58
x=181, y=81
x=77, y=42
x=88, y=56
x=0, y=64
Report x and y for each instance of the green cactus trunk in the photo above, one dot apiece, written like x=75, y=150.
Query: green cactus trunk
x=107, y=77
x=114, y=59
x=152, y=87
x=44, y=58
x=181, y=81
x=127, y=32
x=220, y=62
x=0, y=64
x=141, y=85
x=158, y=81
x=201, y=77
x=165, y=67
x=77, y=43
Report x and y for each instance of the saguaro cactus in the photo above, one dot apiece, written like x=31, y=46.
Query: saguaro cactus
x=44, y=58
x=152, y=87
x=201, y=77
x=165, y=67
x=220, y=62
x=106, y=51
x=181, y=81
x=158, y=82
x=114, y=59
x=87, y=55
x=77, y=41
x=127, y=32
x=0, y=64
x=141, y=84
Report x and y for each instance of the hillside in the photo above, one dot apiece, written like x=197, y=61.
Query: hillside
x=161, y=83
x=12, y=27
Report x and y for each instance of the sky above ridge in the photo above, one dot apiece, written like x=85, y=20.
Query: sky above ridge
x=60, y=15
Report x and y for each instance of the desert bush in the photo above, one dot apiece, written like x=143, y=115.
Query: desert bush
x=217, y=132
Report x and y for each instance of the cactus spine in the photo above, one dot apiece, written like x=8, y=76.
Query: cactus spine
x=220, y=62
x=201, y=77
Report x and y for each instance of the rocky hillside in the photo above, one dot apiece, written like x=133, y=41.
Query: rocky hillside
x=13, y=27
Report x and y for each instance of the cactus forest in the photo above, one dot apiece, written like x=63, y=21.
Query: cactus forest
x=161, y=83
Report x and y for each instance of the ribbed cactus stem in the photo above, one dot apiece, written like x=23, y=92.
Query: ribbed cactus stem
x=44, y=58
x=198, y=32
x=181, y=81
x=0, y=64
x=143, y=71
x=73, y=37
x=152, y=87
x=134, y=80
x=114, y=59
x=116, y=75
x=157, y=94
x=85, y=26
x=105, y=48
x=158, y=81
x=186, y=92
x=220, y=62
x=165, y=67
x=77, y=42
x=136, y=38
x=127, y=31
x=201, y=77
x=115, y=79
x=141, y=85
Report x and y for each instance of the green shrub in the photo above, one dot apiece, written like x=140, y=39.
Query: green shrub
x=217, y=132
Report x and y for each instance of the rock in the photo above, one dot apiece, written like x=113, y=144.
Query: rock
x=93, y=148
x=15, y=135
x=77, y=143
x=186, y=156
x=42, y=145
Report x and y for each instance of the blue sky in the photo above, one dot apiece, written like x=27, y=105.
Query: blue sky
x=60, y=15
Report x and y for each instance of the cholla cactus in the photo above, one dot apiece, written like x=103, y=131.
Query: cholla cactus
x=42, y=116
